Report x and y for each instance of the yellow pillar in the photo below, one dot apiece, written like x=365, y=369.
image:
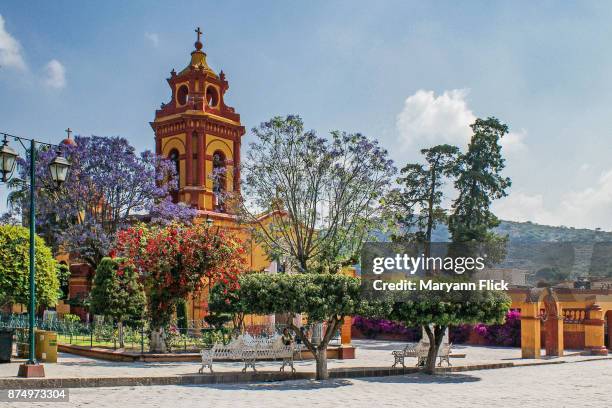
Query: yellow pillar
x=594, y=332
x=530, y=331
x=554, y=327
x=346, y=350
x=345, y=331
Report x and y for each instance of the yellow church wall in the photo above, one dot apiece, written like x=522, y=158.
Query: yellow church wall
x=256, y=257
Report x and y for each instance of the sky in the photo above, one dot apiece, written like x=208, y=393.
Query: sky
x=410, y=74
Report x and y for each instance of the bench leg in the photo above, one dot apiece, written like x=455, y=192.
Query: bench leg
x=287, y=362
x=442, y=359
x=247, y=364
x=399, y=360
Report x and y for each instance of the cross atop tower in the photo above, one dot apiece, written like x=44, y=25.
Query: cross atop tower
x=198, y=43
x=68, y=132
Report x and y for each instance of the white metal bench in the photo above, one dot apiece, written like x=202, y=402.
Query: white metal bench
x=400, y=355
x=420, y=350
x=219, y=351
x=249, y=349
x=444, y=352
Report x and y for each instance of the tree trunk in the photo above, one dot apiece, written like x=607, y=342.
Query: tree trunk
x=321, y=360
x=319, y=351
x=157, y=343
x=430, y=216
x=435, y=340
x=120, y=332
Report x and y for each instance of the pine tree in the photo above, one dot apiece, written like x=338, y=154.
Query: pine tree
x=416, y=207
x=479, y=182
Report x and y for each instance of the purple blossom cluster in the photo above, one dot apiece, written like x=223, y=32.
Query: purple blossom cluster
x=109, y=185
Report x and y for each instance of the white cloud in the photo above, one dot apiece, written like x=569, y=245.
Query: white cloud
x=587, y=208
x=55, y=74
x=514, y=142
x=153, y=37
x=519, y=206
x=10, y=50
x=428, y=120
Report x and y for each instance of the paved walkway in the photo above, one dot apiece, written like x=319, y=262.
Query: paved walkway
x=579, y=384
x=369, y=354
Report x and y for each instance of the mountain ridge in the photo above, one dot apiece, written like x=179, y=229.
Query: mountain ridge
x=528, y=231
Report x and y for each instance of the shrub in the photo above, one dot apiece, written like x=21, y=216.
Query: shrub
x=15, y=272
x=117, y=292
x=372, y=328
x=506, y=334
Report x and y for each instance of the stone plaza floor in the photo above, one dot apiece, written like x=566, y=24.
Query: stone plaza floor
x=575, y=384
x=369, y=353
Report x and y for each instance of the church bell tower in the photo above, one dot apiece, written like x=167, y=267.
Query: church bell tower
x=200, y=133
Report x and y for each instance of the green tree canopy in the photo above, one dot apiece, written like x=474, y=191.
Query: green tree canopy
x=117, y=291
x=325, y=298
x=15, y=272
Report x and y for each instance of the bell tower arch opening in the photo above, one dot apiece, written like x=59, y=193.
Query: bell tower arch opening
x=175, y=158
x=219, y=171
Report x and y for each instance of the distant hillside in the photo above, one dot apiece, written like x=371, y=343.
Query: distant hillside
x=530, y=232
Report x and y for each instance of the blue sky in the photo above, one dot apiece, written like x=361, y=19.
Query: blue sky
x=408, y=73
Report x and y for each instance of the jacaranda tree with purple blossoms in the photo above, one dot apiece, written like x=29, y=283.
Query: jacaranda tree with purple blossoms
x=322, y=194
x=109, y=184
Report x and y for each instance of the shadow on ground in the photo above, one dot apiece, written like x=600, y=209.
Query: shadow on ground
x=418, y=378
x=336, y=383
x=280, y=385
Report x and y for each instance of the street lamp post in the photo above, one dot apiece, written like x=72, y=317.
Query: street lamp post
x=59, y=170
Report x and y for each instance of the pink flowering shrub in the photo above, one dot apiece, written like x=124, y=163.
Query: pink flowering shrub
x=506, y=334
x=372, y=328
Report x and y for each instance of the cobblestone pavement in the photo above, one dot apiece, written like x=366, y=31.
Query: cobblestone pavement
x=577, y=384
x=369, y=354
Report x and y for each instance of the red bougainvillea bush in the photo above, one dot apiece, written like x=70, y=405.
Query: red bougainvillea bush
x=176, y=260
